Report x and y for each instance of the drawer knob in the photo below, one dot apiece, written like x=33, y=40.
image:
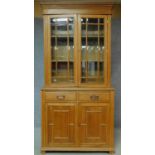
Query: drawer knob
x=94, y=97
x=60, y=97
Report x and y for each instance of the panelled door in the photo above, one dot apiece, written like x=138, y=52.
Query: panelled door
x=93, y=122
x=92, y=49
x=61, y=125
x=60, y=49
x=76, y=47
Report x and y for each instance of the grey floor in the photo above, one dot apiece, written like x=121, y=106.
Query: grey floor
x=37, y=140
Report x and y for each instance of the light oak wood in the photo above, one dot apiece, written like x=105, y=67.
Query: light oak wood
x=98, y=149
x=77, y=9
x=92, y=120
x=109, y=50
x=94, y=127
x=77, y=88
x=91, y=96
x=116, y=9
x=77, y=116
x=79, y=1
x=60, y=96
x=61, y=125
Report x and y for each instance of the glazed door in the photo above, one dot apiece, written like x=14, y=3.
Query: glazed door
x=61, y=125
x=93, y=122
x=60, y=49
x=92, y=43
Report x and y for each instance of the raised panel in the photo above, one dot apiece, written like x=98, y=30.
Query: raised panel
x=61, y=125
x=93, y=122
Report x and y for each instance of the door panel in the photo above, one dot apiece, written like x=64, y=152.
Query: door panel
x=61, y=125
x=93, y=49
x=62, y=49
x=93, y=123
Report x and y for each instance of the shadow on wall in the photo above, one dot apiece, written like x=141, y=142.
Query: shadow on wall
x=38, y=68
x=116, y=67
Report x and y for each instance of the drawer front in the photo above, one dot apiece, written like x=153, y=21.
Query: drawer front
x=94, y=96
x=60, y=96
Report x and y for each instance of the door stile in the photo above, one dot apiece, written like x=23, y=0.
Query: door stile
x=76, y=49
x=109, y=50
x=77, y=78
x=105, y=52
x=47, y=50
x=79, y=48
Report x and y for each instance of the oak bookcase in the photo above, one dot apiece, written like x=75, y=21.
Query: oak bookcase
x=77, y=98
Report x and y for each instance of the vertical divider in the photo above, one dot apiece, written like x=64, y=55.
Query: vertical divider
x=46, y=36
x=109, y=50
x=78, y=45
x=76, y=73
x=98, y=62
x=68, y=49
x=86, y=49
x=56, y=48
x=48, y=55
x=105, y=49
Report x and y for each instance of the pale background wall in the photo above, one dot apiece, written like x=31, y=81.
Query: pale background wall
x=39, y=68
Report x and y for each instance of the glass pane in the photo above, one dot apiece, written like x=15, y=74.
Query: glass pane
x=62, y=50
x=92, y=30
x=92, y=53
x=101, y=30
x=92, y=20
x=92, y=56
x=92, y=69
x=101, y=20
x=83, y=20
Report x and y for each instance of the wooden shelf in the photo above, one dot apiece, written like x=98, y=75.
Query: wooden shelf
x=62, y=61
x=62, y=36
x=93, y=61
x=93, y=24
x=91, y=77
x=62, y=77
x=93, y=36
x=59, y=24
x=83, y=36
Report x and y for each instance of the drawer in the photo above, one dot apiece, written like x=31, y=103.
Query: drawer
x=60, y=96
x=94, y=96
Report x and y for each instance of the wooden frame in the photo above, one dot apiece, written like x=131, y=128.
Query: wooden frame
x=76, y=100
x=77, y=9
x=77, y=51
x=77, y=105
x=47, y=51
x=104, y=84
